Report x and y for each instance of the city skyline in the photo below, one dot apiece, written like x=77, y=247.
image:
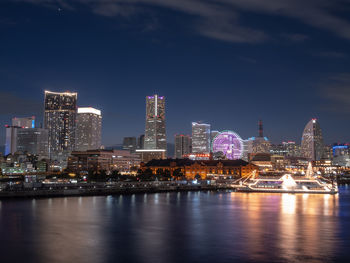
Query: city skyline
x=120, y=140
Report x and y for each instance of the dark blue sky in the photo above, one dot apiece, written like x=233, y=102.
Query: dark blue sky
x=225, y=62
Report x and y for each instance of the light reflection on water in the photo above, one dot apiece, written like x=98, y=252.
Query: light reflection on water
x=176, y=227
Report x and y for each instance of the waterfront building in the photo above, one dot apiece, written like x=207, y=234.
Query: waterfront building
x=155, y=133
x=182, y=145
x=21, y=163
x=312, y=146
x=102, y=160
x=262, y=160
x=27, y=122
x=33, y=141
x=130, y=144
x=59, y=119
x=200, y=137
x=88, y=129
x=203, y=169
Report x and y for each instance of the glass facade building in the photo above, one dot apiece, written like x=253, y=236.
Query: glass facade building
x=182, y=145
x=88, y=129
x=201, y=137
x=11, y=139
x=59, y=119
x=312, y=141
x=155, y=133
x=33, y=141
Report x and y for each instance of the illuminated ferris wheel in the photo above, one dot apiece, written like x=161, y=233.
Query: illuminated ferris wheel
x=229, y=143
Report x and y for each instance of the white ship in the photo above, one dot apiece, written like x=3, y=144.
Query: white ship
x=310, y=183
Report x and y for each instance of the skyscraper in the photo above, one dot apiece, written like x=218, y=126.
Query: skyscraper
x=11, y=139
x=312, y=141
x=141, y=141
x=11, y=132
x=59, y=119
x=182, y=145
x=88, y=129
x=155, y=135
x=200, y=137
x=33, y=141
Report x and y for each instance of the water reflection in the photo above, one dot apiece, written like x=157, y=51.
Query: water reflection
x=173, y=227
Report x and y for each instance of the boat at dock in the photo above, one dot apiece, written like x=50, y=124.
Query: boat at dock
x=288, y=183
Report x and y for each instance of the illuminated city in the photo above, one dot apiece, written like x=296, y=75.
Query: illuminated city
x=174, y=131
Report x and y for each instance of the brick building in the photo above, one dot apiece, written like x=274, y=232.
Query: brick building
x=205, y=168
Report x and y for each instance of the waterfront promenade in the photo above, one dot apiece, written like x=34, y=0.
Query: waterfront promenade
x=90, y=189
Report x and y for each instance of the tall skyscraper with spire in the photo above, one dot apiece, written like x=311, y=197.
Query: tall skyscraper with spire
x=258, y=144
x=312, y=141
x=155, y=133
x=59, y=119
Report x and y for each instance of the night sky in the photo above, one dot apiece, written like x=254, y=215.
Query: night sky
x=225, y=62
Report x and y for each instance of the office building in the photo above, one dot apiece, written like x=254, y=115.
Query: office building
x=286, y=149
x=11, y=139
x=33, y=141
x=201, y=137
x=88, y=129
x=312, y=141
x=130, y=144
x=155, y=134
x=141, y=141
x=27, y=122
x=59, y=119
x=102, y=160
x=182, y=145
x=148, y=155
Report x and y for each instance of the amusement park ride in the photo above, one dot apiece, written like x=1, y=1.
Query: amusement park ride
x=310, y=183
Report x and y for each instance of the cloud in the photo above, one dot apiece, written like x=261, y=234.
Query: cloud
x=112, y=9
x=12, y=104
x=336, y=92
x=220, y=19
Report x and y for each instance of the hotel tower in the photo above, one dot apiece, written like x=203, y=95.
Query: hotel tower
x=59, y=119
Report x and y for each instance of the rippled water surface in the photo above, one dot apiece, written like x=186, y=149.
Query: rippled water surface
x=177, y=227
